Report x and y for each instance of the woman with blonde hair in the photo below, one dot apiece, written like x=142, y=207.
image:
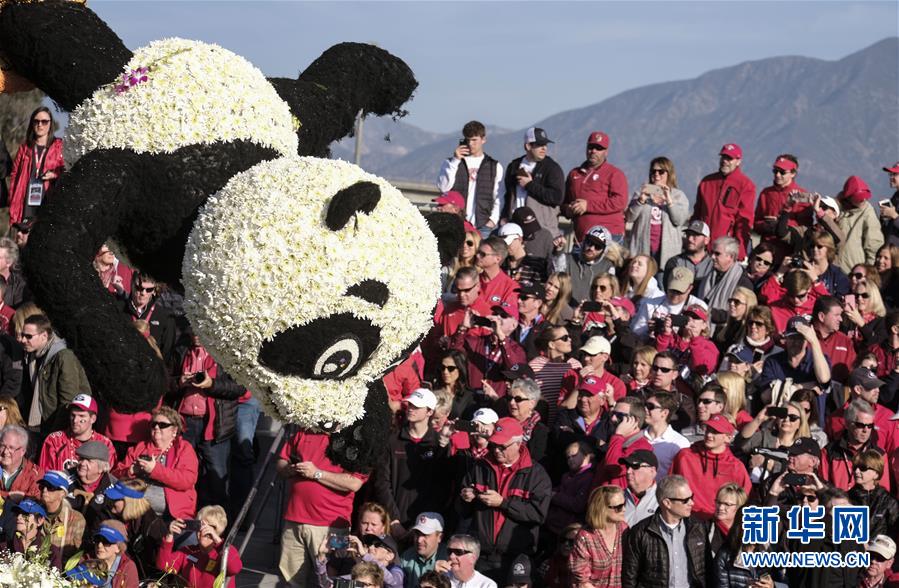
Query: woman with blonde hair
x=864, y=315
x=734, y=386
x=777, y=432
x=9, y=412
x=739, y=304
x=730, y=498
x=466, y=257
x=657, y=213
x=25, y=310
x=640, y=371
x=638, y=279
x=597, y=554
x=556, y=309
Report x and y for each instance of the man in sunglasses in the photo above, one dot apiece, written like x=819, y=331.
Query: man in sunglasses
x=661, y=408
x=882, y=551
x=448, y=316
x=144, y=305
x=640, y=494
x=710, y=402
x=863, y=385
x=669, y=548
x=860, y=435
x=627, y=418
x=596, y=191
x=587, y=263
x=718, y=286
x=709, y=464
x=791, y=292
x=777, y=199
x=507, y=497
x=803, y=459
x=725, y=200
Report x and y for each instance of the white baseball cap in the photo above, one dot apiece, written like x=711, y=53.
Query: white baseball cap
x=422, y=398
x=830, y=202
x=510, y=231
x=428, y=522
x=883, y=545
x=485, y=416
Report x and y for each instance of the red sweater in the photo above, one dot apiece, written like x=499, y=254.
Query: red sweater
x=726, y=204
x=59, y=448
x=605, y=190
x=707, y=472
x=498, y=290
x=196, y=566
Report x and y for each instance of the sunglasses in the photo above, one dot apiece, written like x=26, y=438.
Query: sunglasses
x=857, y=276
x=617, y=507
x=469, y=243
x=863, y=295
x=497, y=446
x=619, y=415
x=863, y=468
x=809, y=498
x=594, y=147
x=650, y=406
x=518, y=399
x=631, y=466
x=457, y=552
x=682, y=500
x=790, y=417
x=160, y=425
x=736, y=302
x=28, y=336
x=41, y=121
x=563, y=338
x=707, y=401
x=147, y=290
x=664, y=370
x=660, y=172
x=859, y=425
x=484, y=254
x=466, y=290
x=800, y=296
x=448, y=368
x=779, y=172
x=756, y=323
x=764, y=262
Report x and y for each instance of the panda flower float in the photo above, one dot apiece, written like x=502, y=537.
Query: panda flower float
x=306, y=278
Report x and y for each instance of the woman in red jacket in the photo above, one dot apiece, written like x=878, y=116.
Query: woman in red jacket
x=692, y=341
x=167, y=463
x=37, y=167
x=200, y=564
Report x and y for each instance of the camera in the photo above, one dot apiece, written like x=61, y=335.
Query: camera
x=466, y=426
x=346, y=583
x=199, y=377
x=791, y=479
x=803, y=197
x=797, y=263
x=481, y=321
x=591, y=306
x=192, y=525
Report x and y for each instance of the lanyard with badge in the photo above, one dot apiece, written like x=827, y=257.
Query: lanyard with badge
x=36, y=184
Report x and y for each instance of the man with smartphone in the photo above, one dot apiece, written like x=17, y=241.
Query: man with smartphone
x=536, y=181
x=889, y=217
x=473, y=173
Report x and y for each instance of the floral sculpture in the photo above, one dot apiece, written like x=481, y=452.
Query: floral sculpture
x=182, y=128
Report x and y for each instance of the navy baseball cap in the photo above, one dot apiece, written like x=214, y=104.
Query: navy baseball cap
x=56, y=479
x=118, y=491
x=30, y=506
x=110, y=535
x=742, y=353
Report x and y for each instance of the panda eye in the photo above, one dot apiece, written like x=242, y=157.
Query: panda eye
x=360, y=197
x=329, y=348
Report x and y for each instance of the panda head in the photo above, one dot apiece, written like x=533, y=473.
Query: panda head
x=307, y=279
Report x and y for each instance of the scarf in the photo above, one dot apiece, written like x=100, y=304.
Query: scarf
x=528, y=425
x=716, y=291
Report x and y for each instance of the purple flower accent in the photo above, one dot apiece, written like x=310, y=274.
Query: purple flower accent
x=132, y=78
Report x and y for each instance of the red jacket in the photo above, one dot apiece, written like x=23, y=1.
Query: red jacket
x=23, y=169
x=771, y=202
x=500, y=289
x=841, y=351
x=178, y=477
x=706, y=473
x=406, y=377
x=59, y=448
x=726, y=204
x=6, y=318
x=211, y=369
x=25, y=482
x=126, y=575
x=612, y=472
x=836, y=464
x=447, y=318
x=487, y=359
x=198, y=567
x=781, y=309
x=703, y=353
x=605, y=190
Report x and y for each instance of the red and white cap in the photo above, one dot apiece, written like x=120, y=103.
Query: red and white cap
x=599, y=138
x=84, y=402
x=732, y=150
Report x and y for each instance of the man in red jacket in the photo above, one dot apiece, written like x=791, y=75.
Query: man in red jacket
x=709, y=464
x=496, y=285
x=596, y=191
x=630, y=414
x=725, y=199
x=827, y=316
x=777, y=197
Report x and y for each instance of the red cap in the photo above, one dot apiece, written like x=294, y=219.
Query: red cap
x=894, y=169
x=697, y=311
x=625, y=303
x=720, y=424
x=451, y=197
x=599, y=138
x=84, y=402
x=592, y=385
x=855, y=189
x=732, y=150
x=505, y=430
x=784, y=164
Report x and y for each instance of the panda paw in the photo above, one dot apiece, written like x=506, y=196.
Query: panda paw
x=359, y=447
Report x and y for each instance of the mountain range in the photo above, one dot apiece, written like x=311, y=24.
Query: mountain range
x=840, y=118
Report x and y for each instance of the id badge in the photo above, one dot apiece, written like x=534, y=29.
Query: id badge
x=35, y=192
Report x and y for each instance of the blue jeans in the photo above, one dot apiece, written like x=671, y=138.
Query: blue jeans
x=213, y=475
x=243, y=454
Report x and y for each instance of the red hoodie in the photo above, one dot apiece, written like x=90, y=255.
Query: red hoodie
x=707, y=472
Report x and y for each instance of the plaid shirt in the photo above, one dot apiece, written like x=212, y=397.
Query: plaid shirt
x=591, y=562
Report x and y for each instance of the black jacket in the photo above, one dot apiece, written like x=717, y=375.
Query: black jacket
x=727, y=575
x=547, y=187
x=225, y=391
x=883, y=509
x=16, y=289
x=645, y=563
x=524, y=508
x=162, y=326
x=414, y=478
x=10, y=367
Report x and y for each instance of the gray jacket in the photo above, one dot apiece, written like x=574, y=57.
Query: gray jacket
x=673, y=218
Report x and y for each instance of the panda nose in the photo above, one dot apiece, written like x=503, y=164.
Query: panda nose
x=329, y=348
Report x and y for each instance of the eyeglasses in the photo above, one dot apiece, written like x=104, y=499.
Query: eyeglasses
x=660, y=172
x=650, y=406
x=863, y=468
x=779, y=172
x=790, y=417
x=448, y=368
x=707, y=401
x=10, y=448
x=756, y=324
x=664, y=370
x=857, y=276
x=161, y=425
x=41, y=121
x=458, y=552
x=469, y=243
x=28, y=336
x=809, y=498
x=146, y=290
x=466, y=290
x=764, y=262
x=682, y=500
x=518, y=399
x=727, y=504
x=617, y=507
x=859, y=425
x=563, y=338
x=485, y=253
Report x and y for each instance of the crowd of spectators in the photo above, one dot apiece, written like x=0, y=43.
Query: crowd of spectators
x=594, y=406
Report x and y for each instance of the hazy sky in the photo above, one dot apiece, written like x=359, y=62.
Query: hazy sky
x=508, y=63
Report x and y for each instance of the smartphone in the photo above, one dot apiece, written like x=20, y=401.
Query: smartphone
x=888, y=203
x=777, y=411
x=192, y=525
x=803, y=197
x=145, y=457
x=466, y=426
x=463, y=142
x=792, y=479
x=521, y=172
x=481, y=321
x=849, y=300
x=757, y=355
x=338, y=541
x=590, y=306
x=652, y=190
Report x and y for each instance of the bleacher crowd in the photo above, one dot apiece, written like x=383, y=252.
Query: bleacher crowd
x=594, y=405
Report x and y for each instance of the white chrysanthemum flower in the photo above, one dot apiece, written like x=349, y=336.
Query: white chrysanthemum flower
x=195, y=93
x=260, y=260
x=17, y=571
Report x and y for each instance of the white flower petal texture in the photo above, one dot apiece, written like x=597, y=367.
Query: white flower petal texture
x=195, y=93
x=261, y=260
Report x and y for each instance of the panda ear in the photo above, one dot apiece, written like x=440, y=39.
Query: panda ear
x=450, y=233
